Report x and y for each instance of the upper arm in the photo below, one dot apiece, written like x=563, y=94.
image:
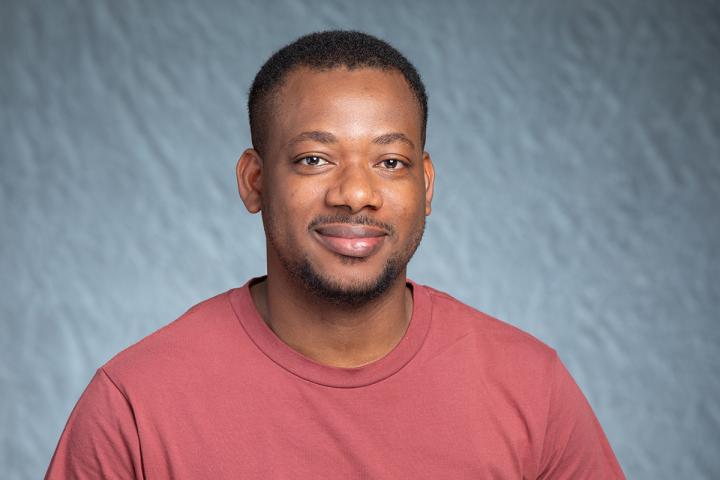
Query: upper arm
x=100, y=439
x=575, y=446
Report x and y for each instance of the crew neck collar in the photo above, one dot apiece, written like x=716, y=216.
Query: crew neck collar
x=338, y=377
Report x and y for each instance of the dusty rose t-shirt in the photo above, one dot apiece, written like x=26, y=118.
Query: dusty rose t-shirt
x=216, y=394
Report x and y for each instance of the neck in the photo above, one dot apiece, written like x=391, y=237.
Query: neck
x=334, y=335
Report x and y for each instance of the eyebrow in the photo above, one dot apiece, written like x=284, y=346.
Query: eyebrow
x=393, y=137
x=315, y=135
x=328, y=138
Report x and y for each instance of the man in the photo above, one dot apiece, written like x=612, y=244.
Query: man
x=334, y=365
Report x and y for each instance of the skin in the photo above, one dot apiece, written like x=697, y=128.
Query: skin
x=340, y=143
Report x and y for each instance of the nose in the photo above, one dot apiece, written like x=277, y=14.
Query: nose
x=354, y=190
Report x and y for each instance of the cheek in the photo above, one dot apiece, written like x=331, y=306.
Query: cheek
x=407, y=207
x=413, y=194
x=304, y=197
x=293, y=205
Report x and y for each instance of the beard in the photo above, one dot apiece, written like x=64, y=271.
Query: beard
x=328, y=290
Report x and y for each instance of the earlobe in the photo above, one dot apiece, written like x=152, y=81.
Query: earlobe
x=429, y=174
x=249, y=171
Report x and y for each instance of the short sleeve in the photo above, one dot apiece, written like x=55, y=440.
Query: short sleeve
x=575, y=446
x=100, y=439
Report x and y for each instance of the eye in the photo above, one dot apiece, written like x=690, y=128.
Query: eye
x=312, y=161
x=393, y=164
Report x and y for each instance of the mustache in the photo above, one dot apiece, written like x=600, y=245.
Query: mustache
x=351, y=220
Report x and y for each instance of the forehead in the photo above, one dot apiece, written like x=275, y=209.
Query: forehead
x=347, y=102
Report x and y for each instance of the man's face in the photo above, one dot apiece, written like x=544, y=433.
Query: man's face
x=345, y=183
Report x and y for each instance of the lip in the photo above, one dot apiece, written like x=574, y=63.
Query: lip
x=358, y=241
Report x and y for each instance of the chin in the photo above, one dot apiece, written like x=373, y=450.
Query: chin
x=350, y=290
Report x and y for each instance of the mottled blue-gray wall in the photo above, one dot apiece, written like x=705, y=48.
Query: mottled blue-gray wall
x=577, y=145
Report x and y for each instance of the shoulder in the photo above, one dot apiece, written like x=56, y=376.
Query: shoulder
x=191, y=338
x=495, y=341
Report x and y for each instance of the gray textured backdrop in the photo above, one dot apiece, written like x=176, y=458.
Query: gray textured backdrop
x=577, y=145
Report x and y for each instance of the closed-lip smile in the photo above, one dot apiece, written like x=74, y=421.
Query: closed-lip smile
x=350, y=240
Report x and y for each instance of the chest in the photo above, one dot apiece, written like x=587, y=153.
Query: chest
x=434, y=425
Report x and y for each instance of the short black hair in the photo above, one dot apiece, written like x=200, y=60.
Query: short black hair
x=325, y=51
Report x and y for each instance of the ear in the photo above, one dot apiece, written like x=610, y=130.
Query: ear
x=249, y=171
x=429, y=173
